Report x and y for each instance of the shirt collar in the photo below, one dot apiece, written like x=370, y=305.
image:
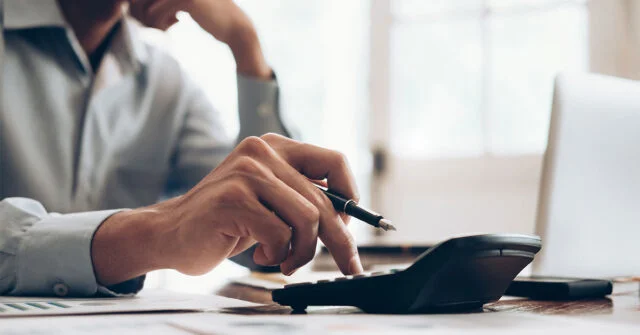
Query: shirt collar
x=127, y=45
x=22, y=14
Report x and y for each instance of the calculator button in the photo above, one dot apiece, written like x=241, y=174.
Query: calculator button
x=360, y=275
x=324, y=281
x=379, y=273
x=342, y=278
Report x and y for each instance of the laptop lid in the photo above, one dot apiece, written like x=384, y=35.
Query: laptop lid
x=589, y=201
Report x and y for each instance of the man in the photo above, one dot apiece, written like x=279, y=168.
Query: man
x=93, y=120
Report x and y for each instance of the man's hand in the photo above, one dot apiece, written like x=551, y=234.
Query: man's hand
x=261, y=193
x=223, y=19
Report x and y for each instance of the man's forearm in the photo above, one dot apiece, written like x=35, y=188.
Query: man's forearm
x=131, y=243
x=250, y=60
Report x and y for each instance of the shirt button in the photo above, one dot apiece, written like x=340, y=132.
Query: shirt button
x=264, y=110
x=60, y=289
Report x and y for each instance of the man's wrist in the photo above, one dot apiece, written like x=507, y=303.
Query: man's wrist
x=246, y=49
x=129, y=244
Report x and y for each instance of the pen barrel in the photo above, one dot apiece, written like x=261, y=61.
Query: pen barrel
x=351, y=208
x=338, y=202
x=362, y=214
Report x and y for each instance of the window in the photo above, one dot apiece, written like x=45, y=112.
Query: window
x=473, y=77
x=465, y=110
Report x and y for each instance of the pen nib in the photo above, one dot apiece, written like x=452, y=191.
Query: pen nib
x=386, y=225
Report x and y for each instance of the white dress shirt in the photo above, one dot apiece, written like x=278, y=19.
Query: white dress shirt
x=85, y=144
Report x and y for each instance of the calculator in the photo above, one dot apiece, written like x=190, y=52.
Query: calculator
x=457, y=275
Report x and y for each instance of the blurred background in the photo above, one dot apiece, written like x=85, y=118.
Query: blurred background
x=442, y=106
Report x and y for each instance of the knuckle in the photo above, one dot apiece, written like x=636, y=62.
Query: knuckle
x=311, y=216
x=233, y=192
x=284, y=235
x=340, y=160
x=247, y=166
x=269, y=137
x=254, y=146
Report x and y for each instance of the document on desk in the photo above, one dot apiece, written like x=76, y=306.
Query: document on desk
x=146, y=301
x=148, y=323
x=488, y=323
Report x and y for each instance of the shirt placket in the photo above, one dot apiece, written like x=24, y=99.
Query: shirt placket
x=82, y=181
x=110, y=73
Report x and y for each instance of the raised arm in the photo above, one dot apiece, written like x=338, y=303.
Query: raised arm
x=223, y=19
x=203, y=141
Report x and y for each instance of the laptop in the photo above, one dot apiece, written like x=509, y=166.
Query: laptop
x=589, y=200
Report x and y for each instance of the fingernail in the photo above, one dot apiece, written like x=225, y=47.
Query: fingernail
x=355, y=267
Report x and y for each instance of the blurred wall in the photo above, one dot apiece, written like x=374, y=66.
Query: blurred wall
x=614, y=37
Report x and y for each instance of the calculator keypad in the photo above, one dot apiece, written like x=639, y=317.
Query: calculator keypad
x=345, y=278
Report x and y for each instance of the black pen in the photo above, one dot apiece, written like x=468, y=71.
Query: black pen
x=351, y=208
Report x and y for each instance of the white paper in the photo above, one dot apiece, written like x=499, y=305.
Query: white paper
x=146, y=301
x=488, y=323
x=478, y=323
x=91, y=324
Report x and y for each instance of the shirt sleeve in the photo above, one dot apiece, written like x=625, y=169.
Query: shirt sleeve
x=49, y=254
x=203, y=142
x=259, y=107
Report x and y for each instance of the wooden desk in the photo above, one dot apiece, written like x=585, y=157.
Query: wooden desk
x=621, y=307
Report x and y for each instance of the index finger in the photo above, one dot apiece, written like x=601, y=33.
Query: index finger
x=320, y=163
x=317, y=163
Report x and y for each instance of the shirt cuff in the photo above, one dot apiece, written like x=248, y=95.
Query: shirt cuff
x=54, y=258
x=124, y=289
x=259, y=107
